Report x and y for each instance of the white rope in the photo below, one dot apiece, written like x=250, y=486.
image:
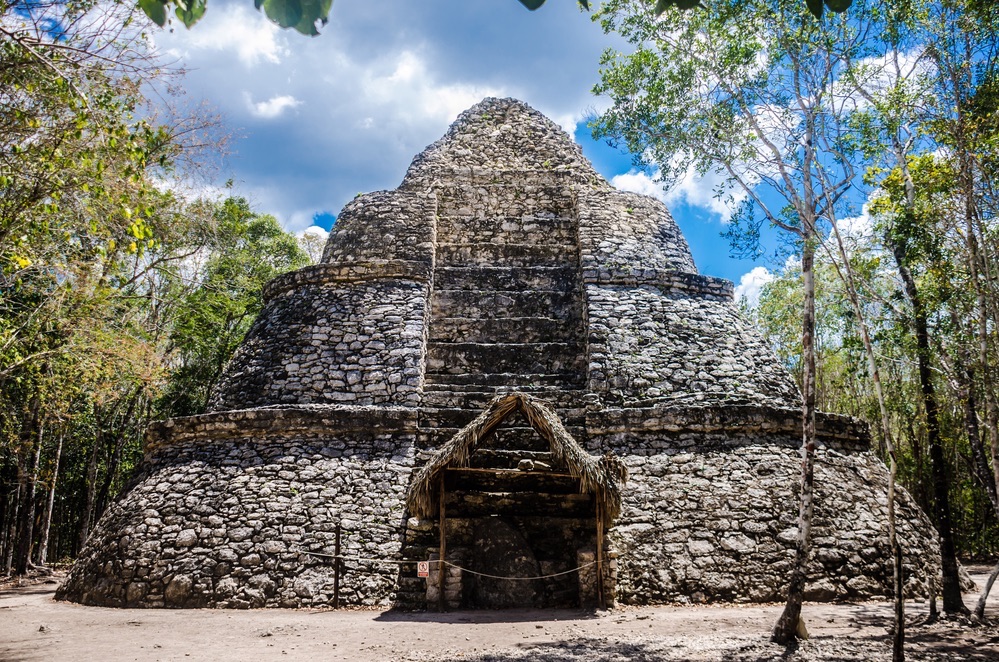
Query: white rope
x=557, y=574
x=358, y=559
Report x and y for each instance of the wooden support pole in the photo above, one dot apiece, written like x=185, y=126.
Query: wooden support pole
x=336, y=569
x=600, y=554
x=441, y=600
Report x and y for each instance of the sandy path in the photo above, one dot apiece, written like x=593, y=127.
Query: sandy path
x=34, y=627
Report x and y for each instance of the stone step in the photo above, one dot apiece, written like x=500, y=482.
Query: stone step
x=516, y=381
x=504, y=330
x=526, y=229
x=562, y=278
x=516, y=201
x=487, y=304
x=478, y=397
x=502, y=439
x=512, y=255
x=460, y=417
x=470, y=358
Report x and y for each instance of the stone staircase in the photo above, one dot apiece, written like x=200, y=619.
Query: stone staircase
x=507, y=310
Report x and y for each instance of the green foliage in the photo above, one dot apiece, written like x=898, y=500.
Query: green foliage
x=115, y=295
x=303, y=15
x=245, y=252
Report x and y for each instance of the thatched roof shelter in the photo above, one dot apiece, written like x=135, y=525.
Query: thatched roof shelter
x=601, y=476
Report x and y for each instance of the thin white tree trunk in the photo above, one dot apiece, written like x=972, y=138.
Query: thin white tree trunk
x=43, y=548
x=788, y=625
x=898, y=581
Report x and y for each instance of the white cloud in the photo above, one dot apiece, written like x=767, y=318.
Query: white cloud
x=316, y=231
x=751, y=285
x=405, y=84
x=325, y=118
x=912, y=71
x=230, y=29
x=710, y=191
x=639, y=182
x=856, y=227
x=692, y=189
x=271, y=108
x=568, y=123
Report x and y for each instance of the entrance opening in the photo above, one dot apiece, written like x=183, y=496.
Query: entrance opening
x=520, y=510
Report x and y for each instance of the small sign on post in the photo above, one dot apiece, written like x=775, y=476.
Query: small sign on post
x=423, y=568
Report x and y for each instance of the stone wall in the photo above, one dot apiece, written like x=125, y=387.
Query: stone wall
x=620, y=232
x=384, y=225
x=344, y=342
x=229, y=505
x=494, y=138
x=648, y=344
x=507, y=304
x=723, y=523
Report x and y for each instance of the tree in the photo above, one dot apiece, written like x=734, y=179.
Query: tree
x=303, y=15
x=921, y=98
x=244, y=252
x=746, y=91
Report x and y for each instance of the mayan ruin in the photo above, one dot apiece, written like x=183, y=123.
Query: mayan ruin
x=507, y=359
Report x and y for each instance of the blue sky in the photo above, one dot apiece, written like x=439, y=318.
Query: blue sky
x=314, y=121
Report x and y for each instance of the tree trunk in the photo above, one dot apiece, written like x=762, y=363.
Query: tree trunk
x=28, y=478
x=90, y=490
x=898, y=579
x=980, y=607
x=43, y=547
x=116, y=444
x=787, y=626
x=951, y=585
x=980, y=463
x=10, y=535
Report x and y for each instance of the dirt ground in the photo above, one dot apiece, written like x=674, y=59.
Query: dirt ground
x=35, y=627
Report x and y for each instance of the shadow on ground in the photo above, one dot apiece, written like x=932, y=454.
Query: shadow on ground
x=489, y=616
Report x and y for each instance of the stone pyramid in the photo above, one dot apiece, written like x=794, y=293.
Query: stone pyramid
x=503, y=262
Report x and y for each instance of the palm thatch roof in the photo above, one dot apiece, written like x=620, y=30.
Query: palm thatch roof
x=601, y=476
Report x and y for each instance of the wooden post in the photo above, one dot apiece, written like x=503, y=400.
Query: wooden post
x=336, y=569
x=600, y=554
x=441, y=600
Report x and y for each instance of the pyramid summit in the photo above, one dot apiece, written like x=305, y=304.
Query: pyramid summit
x=507, y=360
x=498, y=135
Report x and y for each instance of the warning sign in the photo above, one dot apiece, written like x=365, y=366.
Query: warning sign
x=423, y=568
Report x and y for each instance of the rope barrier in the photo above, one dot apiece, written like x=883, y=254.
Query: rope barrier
x=358, y=559
x=557, y=574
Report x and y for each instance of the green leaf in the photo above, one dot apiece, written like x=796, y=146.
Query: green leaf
x=532, y=4
x=299, y=14
x=816, y=7
x=584, y=4
x=663, y=5
x=192, y=13
x=286, y=13
x=312, y=11
x=838, y=6
x=155, y=10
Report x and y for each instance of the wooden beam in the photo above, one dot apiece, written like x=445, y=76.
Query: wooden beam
x=511, y=480
x=600, y=555
x=507, y=459
x=525, y=504
x=441, y=568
